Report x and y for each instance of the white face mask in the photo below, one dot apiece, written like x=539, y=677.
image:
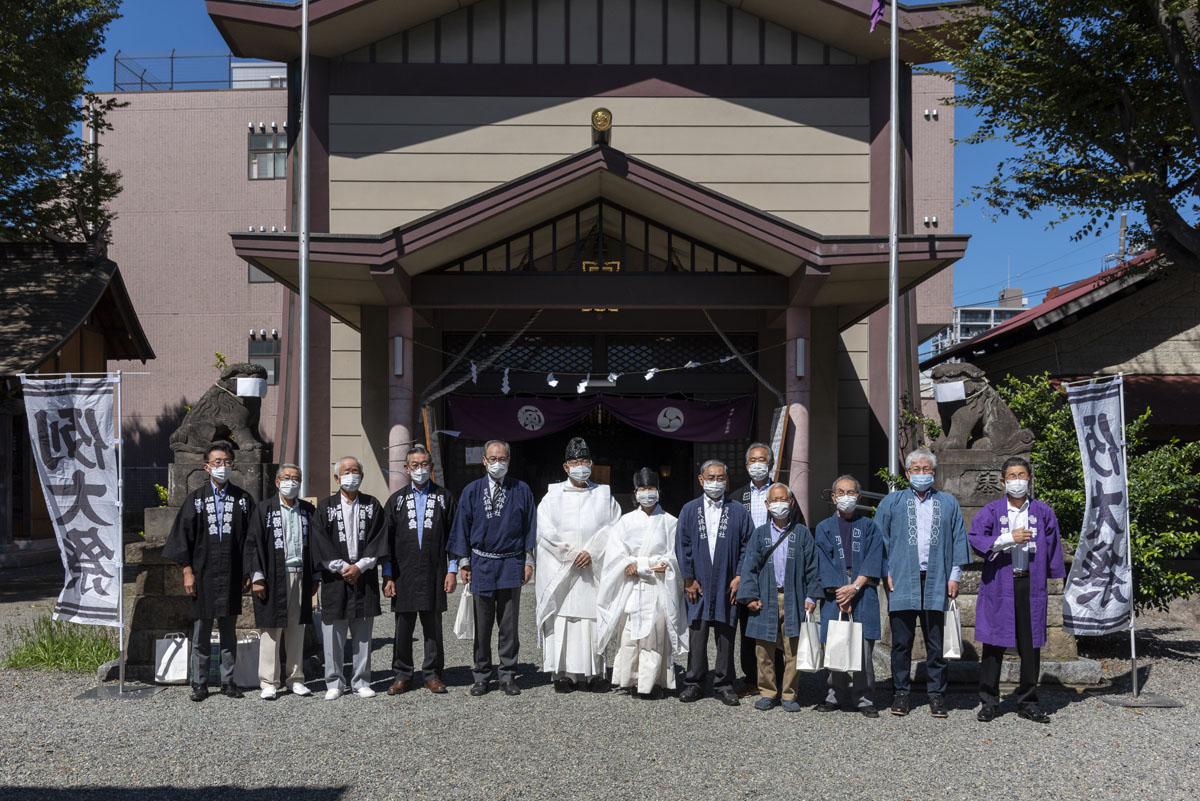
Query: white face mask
x=497, y=470
x=419, y=475
x=780, y=510
x=647, y=498
x=289, y=489
x=714, y=489
x=580, y=472
x=846, y=503
x=220, y=474
x=350, y=482
x=1017, y=487
x=758, y=470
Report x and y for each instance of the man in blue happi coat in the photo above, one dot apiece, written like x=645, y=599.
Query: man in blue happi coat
x=850, y=555
x=494, y=534
x=710, y=538
x=779, y=578
x=925, y=545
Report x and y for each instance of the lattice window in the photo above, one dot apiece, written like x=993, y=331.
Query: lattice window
x=630, y=353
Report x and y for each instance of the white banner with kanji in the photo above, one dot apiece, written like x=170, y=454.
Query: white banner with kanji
x=1098, y=594
x=71, y=431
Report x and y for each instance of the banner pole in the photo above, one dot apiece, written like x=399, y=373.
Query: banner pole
x=1129, y=552
x=121, y=532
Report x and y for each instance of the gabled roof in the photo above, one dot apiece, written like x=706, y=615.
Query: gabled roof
x=1080, y=298
x=852, y=268
x=271, y=30
x=48, y=290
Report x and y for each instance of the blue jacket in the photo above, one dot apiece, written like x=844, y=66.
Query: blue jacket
x=717, y=573
x=866, y=544
x=896, y=517
x=801, y=580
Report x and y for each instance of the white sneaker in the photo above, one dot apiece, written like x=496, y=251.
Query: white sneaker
x=268, y=694
x=298, y=688
x=365, y=692
x=333, y=694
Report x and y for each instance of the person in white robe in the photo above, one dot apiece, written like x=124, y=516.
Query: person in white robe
x=571, y=520
x=640, y=595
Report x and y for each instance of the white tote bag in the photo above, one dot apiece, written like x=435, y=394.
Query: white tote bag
x=464, y=621
x=843, y=645
x=245, y=665
x=808, y=648
x=171, y=658
x=952, y=643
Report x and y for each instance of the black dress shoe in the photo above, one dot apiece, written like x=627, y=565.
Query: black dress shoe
x=900, y=705
x=199, y=692
x=598, y=684
x=1031, y=712
x=869, y=711
x=691, y=693
x=563, y=686
x=728, y=697
x=231, y=690
x=655, y=694
x=479, y=688
x=937, y=707
x=510, y=687
x=825, y=706
x=986, y=714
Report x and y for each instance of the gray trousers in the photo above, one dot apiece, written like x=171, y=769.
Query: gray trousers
x=503, y=607
x=333, y=638
x=858, y=687
x=202, y=648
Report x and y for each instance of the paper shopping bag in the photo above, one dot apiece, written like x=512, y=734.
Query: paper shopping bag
x=808, y=649
x=171, y=657
x=952, y=643
x=843, y=645
x=464, y=621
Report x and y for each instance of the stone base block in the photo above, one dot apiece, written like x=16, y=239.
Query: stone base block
x=158, y=520
x=1077, y=672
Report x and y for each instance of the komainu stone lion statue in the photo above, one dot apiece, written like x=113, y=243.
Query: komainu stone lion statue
x=221, y=415
x=981, y=422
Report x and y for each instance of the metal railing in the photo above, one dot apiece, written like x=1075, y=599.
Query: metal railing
x=174, y=72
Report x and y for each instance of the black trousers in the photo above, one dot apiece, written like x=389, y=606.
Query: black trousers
x=1031, y=658
x=697, y=664
x=202, y=649
x=747, y=655
x=504, y=606
x=402, y=647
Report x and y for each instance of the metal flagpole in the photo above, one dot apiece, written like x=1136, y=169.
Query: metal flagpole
x=302, y=415
x=893, y=247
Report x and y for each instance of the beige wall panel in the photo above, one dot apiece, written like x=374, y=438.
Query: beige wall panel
x=566, y=140
x=344, y=393
x=856, y=337
x=344, y=364
x=342, y=337
x=828, y=222
x=627, y=111
x=855, y=363
x=375, y=221
x=798, y=197
x=405, y=166
x=409, y=195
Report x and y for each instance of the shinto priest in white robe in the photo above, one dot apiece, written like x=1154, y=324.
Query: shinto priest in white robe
x=571, y=520
x=646, y=610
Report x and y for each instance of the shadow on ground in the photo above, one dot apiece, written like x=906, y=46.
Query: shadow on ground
x=172, y=793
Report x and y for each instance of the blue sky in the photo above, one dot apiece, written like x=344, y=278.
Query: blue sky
x=1039, y=258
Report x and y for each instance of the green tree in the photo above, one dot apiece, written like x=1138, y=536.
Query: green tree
x=1164, y=486
x=1102, y=101
x=52, y=183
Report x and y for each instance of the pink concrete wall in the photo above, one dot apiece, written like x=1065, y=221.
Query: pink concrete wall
x=183, y=160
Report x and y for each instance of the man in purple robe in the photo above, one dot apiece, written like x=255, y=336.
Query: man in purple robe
x=1019, y=541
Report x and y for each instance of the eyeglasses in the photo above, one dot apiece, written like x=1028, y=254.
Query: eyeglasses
x=921, y=469
x=221, y=463
x=718, y=479
x=846, y=493
x=418, y=465
x=579, y=463
x=496, y=459
x=1014, y=475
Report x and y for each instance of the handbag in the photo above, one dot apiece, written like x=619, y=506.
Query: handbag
x=464, y=621
x=843, y=645
x=952, y=642
x=172, y=654
x=245, y=664
x=808, y=645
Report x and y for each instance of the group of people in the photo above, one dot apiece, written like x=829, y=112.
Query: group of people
x=655, y=585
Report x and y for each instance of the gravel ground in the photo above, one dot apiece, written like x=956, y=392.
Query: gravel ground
x=544, y=746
